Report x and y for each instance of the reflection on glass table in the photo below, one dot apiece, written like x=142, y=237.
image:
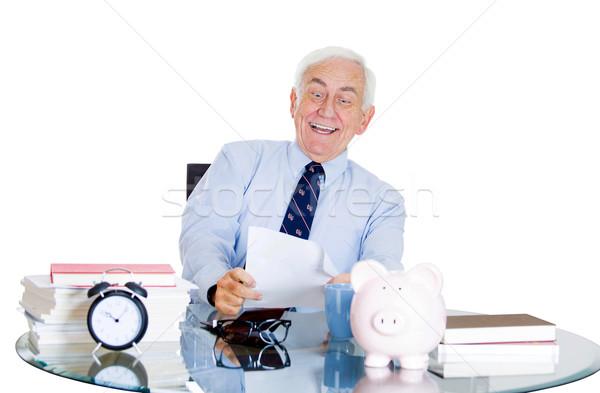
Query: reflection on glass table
x=308, y=361
x=161, y=367
x=119, y=369
x=250, y=358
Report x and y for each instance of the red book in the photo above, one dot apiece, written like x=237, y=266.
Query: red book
x=88, y=274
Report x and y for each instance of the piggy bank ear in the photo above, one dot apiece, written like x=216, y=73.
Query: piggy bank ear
x=365, y=271
x=428, y=275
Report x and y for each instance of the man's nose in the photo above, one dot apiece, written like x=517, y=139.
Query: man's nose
x=327, y=109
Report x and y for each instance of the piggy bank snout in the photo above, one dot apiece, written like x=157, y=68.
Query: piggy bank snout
x=388, y=322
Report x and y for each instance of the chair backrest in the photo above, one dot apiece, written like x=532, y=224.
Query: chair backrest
x=194, y=174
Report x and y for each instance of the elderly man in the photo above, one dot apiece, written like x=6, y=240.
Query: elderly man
x=306, y=188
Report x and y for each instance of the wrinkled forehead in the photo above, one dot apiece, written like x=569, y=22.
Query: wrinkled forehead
x=338, y=74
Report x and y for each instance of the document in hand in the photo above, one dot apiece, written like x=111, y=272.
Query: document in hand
x=289, y=271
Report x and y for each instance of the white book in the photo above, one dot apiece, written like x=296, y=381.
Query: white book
x=489, y=368
x=59, y=304
x=85, y=337
x=544, y=350
x=54, y=352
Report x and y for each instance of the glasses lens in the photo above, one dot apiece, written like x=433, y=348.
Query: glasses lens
x=225, y=356
x=273, y=357
x=236, y=331
x=245, y=361
x=273, y=331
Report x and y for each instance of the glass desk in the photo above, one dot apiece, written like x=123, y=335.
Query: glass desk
x=308, y=361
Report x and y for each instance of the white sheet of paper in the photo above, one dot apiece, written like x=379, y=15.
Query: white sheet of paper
x=289, y=271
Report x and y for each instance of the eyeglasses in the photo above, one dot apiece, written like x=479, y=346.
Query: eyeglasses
x=270, y=331
x=270, y=357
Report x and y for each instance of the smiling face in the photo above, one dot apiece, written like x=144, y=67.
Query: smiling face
x=327, y=109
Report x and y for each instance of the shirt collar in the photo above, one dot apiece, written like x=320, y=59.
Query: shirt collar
x=333, y=168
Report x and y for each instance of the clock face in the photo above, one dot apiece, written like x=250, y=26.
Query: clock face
x=117, y=320
x=116, y=375
x=119, y=370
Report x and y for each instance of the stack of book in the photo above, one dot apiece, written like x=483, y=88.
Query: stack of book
x=56, y=308
x=494, y=345
x=56, y=305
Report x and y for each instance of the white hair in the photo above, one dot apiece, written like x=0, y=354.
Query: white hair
x=333, y=52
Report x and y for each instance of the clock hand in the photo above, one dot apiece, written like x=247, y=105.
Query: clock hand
x=110, y=315
x=124, y=311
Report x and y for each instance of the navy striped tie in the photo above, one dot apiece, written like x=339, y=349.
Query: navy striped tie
x=303, y=206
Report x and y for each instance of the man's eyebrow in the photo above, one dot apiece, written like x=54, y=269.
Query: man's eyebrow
x=345, y=88
x=319, y=81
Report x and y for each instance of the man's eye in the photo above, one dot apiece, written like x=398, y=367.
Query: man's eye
x=318, y=95
x=344, y=101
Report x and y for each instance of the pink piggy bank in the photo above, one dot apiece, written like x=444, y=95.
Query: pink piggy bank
x=384, y=380
x=397, y=314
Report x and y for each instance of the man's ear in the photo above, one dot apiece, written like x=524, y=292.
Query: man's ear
x=293, y=101
x=367, y=116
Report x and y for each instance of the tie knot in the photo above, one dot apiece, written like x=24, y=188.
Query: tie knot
x=314, y=167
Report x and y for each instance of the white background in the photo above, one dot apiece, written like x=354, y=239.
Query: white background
x=491, y=113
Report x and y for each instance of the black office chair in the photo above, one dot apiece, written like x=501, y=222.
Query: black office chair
x=194, y=174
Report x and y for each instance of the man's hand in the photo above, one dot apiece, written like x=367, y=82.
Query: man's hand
x=343, y=278
x=232, y=289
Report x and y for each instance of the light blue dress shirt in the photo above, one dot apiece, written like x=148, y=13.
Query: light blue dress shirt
x=250, y=183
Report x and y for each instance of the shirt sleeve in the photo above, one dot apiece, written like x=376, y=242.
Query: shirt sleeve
x=383, y=239
x=210, y=225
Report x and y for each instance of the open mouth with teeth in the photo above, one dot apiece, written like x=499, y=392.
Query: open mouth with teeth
x=321, y=129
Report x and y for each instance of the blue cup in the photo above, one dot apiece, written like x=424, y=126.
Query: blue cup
x=342, y=368
x=338, y=298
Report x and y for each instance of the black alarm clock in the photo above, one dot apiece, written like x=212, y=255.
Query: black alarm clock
x=117, y=319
